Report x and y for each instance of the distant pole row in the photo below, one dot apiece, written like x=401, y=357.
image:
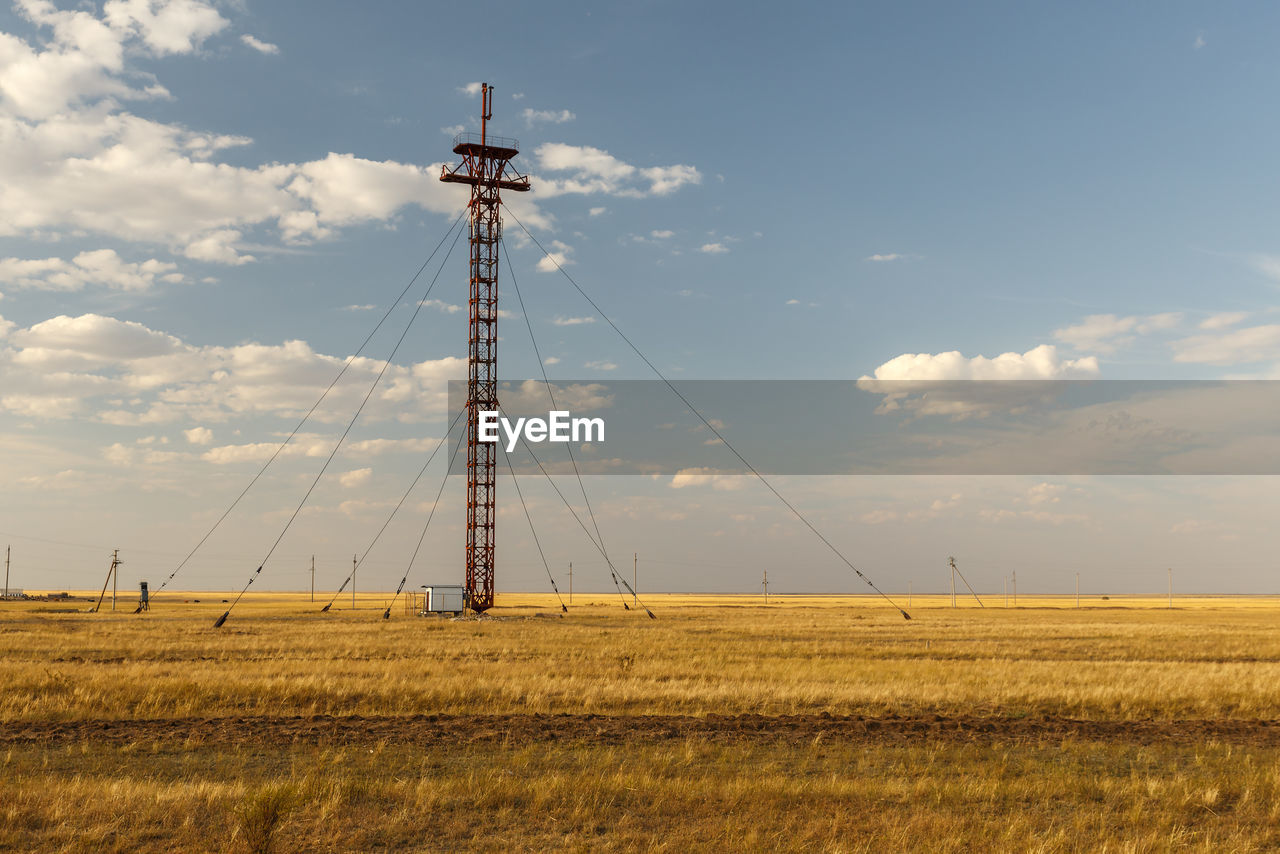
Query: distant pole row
x=1013, y=577
x=113, y=580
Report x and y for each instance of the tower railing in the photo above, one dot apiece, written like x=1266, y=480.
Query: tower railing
x=471, y=137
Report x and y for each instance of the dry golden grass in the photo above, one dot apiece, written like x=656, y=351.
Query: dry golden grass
x=1220, y=658
x=676, y=797
x=1118, y=660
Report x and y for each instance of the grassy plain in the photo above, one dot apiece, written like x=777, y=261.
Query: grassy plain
x=815, y=723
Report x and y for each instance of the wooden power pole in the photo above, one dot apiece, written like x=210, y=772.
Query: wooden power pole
x=111, y=574
x=313, y=578
x=570, y=582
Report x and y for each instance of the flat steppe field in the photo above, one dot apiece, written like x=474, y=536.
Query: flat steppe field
x=810, y=724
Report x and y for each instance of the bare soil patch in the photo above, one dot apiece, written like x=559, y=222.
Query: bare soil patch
x=619, y=729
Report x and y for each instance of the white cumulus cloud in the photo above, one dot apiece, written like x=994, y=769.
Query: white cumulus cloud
x=100, y=267
x=1038, y=363
x=259, y=45
x=558, y=117
x=556, y=258
x=593, y=170
x=707, y=477
x=199, y=435
x=1224, y=319
x=355, y=477
x=1105, y=333
x=95, y=337
x=73, y=159
x=166, y=26
x=937, y=384
x=1249, y=345
x=122, y=372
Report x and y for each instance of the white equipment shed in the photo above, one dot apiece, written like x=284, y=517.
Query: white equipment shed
x=444, y=599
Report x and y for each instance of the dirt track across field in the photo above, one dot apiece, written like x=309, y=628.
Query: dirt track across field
x=619, y=729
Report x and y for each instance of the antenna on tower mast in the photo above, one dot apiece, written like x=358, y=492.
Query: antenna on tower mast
x=486, y=168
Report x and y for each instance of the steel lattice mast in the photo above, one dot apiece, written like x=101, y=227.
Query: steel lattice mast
x=486, y=167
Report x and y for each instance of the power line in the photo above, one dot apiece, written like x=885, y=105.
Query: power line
x=350, y=359
x=708, y=424
x=515, y=481
x=394, y=511
x=612, y=570
x=551, y=394
x=443, y=482
x=417, y=309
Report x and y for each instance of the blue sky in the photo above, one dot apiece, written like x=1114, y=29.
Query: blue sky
x=201, y=199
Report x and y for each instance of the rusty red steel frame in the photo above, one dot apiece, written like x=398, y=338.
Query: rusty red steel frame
x=486, y=167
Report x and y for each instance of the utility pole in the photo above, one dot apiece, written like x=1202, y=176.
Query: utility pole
x=111, y=573
x=313, y=578
x=765, y=585
x=635, y=594
x=354, y=564
x=485, y=166
x=955, y=570
x=1015, y=588
x=570, y=582
x=115, y=577
x=6, y=571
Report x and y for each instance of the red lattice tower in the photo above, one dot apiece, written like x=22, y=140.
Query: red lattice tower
x=486, y=167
